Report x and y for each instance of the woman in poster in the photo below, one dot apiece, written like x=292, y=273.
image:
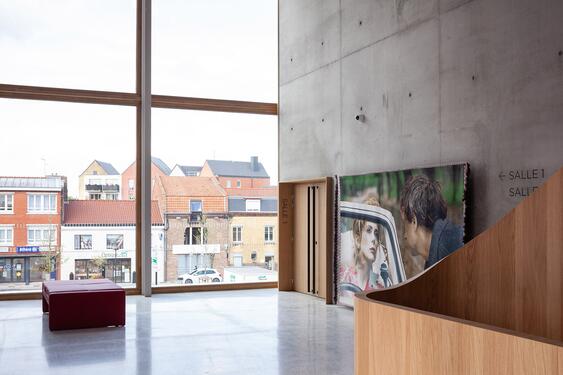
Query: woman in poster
x=369, y=267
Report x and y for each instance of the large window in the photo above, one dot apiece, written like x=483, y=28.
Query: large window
x=213, y=98
x=6, y=203
x=225, y=49
x=42, y=203
x=43, y=46
x=114, y=241
x=83, y=242
x=42, y=235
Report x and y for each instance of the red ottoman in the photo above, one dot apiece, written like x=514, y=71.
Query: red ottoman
x=83, y=304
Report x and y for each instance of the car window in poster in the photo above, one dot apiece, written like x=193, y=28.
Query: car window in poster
x=393, y=225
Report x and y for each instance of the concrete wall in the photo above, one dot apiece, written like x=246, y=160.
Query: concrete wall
x=438, y=81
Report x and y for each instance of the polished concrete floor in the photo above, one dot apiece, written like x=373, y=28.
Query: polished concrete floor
x=235, y=332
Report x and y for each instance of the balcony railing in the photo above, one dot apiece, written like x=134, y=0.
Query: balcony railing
x=107, y=188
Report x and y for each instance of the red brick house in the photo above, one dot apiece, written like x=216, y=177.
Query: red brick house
x=195, y=212
x=129, y=177
x=30, y=227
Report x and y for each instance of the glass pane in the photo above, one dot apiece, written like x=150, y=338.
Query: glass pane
x=79, y=44
x=220, y=49
x=70, y=144
x=223, y=243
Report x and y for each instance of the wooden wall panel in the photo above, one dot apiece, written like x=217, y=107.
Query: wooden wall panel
x=509, y=276
x=391, y=340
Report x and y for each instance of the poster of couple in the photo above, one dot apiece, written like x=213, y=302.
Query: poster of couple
x=394, y=225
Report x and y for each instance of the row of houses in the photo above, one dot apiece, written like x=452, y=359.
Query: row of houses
x=101, y=180
x=224, y=218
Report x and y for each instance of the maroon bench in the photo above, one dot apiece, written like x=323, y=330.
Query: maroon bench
x=83, y=304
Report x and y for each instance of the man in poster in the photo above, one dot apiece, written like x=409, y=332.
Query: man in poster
x=428, y=231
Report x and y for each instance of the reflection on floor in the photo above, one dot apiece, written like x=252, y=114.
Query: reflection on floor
x=233, y=332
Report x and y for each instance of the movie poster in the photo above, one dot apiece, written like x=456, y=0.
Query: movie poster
x=394, y=225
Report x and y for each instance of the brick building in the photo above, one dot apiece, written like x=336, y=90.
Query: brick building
x=30, y=227
x=253, y=227
x=237, y=174
x=195, y=211
x=129, y=177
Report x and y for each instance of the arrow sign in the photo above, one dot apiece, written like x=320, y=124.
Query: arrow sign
x=501, y=176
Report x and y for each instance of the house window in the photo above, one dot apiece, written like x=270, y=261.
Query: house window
x=82, y=241
x=193, y=236
x=238, y=183
x=228, y=183
x=253, y=205
x=6, y=203
x=196, y=206
x=6, y=235
x=41, y=235
x=114, y=241
x=131, y=184
x=253, y=256
x=269, y=233
x=237, y=234
x=111, y=196
x=95, y=196
x=42, y=203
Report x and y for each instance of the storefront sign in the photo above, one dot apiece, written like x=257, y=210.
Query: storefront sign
x=27, y=249
x=4, y=249
x=119, y=254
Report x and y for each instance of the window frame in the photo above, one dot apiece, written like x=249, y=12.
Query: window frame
x=271, y=234
x=9, y=200
x=253, y=202
x=42, y=228
x=122, y=244
x=5, y=228
x=236, y=232
x=143, y=99
x=192, y=201
x=42, y=211
x=79, y=236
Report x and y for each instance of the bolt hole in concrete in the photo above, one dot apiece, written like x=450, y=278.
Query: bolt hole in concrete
x=560, y=53
x=322, y=120
x=361, y=108
x=291, y=129
x=360, y=22
x=473, y=78
x=410, y=94
x=291, y=59
x=322, y=43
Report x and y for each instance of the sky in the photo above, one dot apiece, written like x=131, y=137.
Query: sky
x=205, y=48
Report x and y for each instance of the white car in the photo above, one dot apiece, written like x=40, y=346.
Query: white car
x=206, y=275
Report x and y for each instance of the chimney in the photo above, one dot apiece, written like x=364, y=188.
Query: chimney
x=254, y=163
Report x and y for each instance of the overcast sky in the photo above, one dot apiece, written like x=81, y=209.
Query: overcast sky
x=209, y=48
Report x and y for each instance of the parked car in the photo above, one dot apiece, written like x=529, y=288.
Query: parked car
x=206, y=275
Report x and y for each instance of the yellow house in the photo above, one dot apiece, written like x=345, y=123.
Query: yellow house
x=99, y=181
x=254, y=240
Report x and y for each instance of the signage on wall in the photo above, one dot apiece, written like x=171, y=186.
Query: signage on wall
x=27, y=249
x=4, y=249
x=522, y=182
x=119, y=254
